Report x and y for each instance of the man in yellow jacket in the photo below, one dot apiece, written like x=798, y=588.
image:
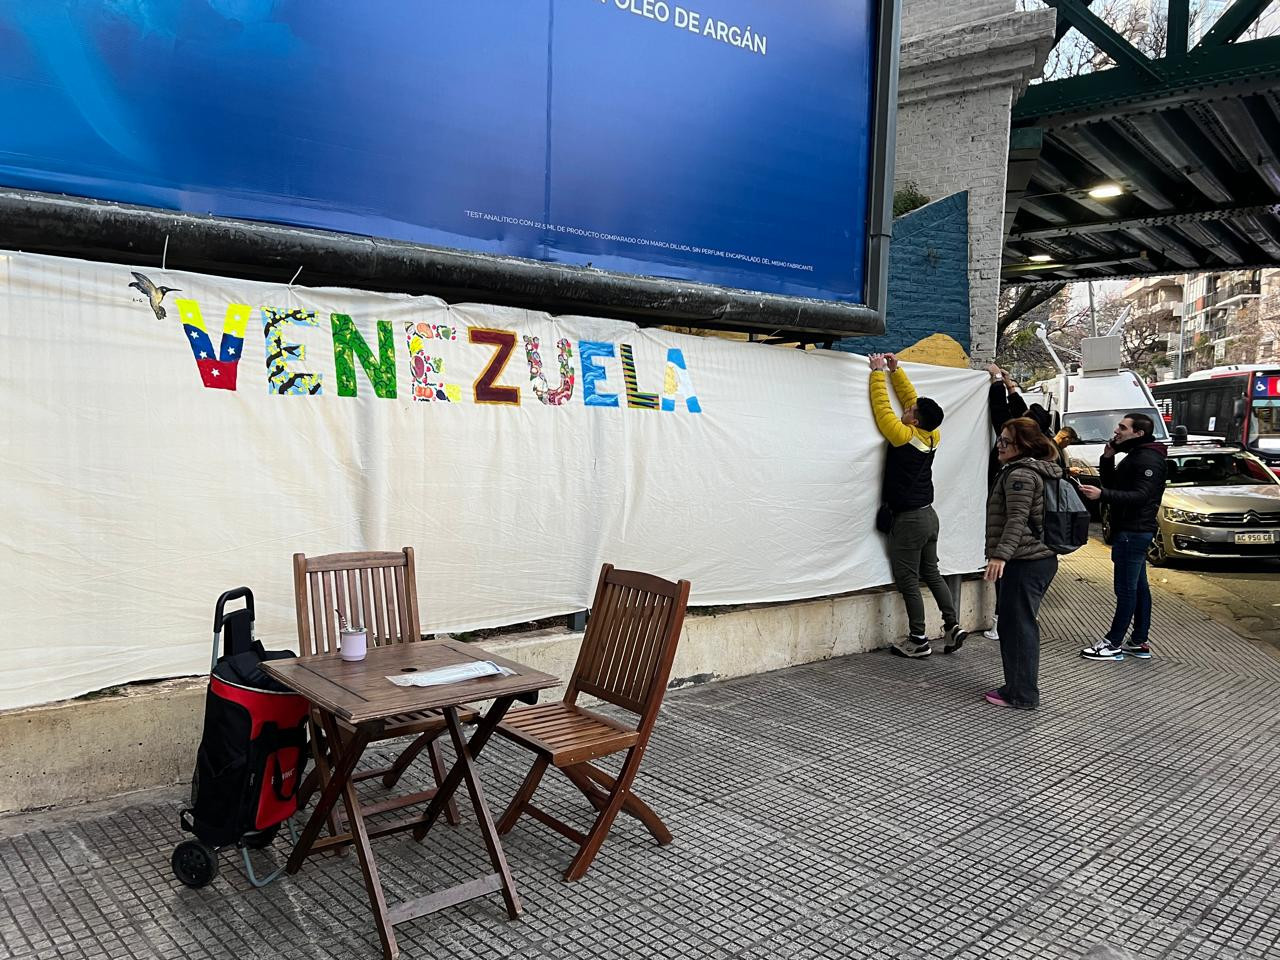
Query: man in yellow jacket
x=908, y=493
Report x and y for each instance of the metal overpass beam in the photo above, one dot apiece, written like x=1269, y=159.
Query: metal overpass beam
x=1238, y=18
x=1130, y=223
x=1248, y=67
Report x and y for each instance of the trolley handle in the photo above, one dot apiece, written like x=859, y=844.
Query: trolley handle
x=238, y=593
x=220, y=618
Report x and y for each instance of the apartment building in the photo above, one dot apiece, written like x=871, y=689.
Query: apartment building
x=1156, y=314
x=1227, y=317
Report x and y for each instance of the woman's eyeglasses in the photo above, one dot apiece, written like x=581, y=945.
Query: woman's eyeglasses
x=1003, y=442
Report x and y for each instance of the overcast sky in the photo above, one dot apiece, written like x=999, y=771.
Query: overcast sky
x=1101, y=289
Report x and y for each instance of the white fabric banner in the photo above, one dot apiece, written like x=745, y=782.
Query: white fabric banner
x=147, y=467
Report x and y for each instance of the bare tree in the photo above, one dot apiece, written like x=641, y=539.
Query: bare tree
x=1016, y=302
x=1020, y=350
x=1145, y=343
x=1143, y=23
x=1143, y=339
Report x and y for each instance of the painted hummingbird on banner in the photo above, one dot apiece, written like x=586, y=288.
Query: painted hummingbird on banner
x=154, y=294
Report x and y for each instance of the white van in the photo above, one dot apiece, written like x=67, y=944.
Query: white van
x=1031, y=397
x=1093, y=405
x=1095, y=398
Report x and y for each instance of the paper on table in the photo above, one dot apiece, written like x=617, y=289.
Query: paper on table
x=454, y=673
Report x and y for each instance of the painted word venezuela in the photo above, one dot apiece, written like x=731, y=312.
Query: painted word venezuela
x=424, y=345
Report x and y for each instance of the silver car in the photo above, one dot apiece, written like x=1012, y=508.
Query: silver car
x=1218, y=502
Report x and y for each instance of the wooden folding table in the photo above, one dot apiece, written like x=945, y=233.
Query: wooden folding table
x=355, y=701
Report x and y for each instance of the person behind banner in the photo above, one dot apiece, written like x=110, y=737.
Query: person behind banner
x=908, y=493
x=1018, y=560
x=1004, y=403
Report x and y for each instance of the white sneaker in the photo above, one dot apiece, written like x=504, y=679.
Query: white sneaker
x=991, y=633
x=916, y=648
x=1103, y=650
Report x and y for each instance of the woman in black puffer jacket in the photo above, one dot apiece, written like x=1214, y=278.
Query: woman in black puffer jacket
x=1018, y=558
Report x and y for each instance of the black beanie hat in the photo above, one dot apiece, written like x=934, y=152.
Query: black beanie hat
x=928, y=413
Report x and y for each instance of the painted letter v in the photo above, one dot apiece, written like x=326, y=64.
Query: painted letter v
x=218, y=371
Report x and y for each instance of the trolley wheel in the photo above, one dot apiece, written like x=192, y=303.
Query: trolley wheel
x=194, y=863
x=262, y=839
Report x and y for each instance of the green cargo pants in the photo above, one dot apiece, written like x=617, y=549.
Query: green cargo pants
x=913, y=555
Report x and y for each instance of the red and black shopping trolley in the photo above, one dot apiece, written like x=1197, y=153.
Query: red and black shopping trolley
x=252, y=752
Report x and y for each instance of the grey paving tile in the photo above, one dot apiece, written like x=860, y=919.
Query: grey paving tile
x=855, y=808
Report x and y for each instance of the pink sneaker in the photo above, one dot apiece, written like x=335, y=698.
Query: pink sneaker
x=993, y=697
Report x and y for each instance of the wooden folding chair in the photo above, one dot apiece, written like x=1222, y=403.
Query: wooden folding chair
x=379, y=591
x=625, y=660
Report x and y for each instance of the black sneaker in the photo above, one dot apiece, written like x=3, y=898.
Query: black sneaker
x=954, y=639
x=1140, y=650
x=916, y=648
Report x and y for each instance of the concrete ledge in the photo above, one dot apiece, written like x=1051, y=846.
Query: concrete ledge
x=77, y=751
x=87, y=749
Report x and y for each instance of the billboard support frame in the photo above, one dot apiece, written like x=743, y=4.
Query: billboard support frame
x=109, y=231
x=883, y=147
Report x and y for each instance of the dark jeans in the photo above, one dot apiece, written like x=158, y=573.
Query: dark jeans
x=913, y=555
x=1133, y=596
x=1021, y=589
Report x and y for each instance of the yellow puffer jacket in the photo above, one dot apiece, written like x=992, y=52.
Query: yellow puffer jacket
x=908, y=468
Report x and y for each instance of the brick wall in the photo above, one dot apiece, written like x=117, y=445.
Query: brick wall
x=961, y=143
x=928, y=278
x=963, y=65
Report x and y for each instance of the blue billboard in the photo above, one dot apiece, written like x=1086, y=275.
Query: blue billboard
x=714, y=141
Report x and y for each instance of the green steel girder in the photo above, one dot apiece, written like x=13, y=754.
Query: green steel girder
x=1252, y=66
x=1125, y=54
x=1128, y=223
x=1184, y=146
x=1149, y=268
x=1173, y=131
x=1237, y=18
x=1178, y=25
x=1025, y=269
x=1065, y=25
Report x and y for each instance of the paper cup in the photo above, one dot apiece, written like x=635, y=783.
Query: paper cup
x=354, y=645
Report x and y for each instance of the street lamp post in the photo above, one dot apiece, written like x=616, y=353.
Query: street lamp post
x=1093, y=316
x=1182, y=339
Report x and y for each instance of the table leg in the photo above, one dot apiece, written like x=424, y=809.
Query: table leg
x=339, y=774
x=487, y=829
x=484, y=730
x=360, y=838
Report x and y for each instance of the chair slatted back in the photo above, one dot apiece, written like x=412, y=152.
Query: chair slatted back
x=630, y=642
x=374, y=590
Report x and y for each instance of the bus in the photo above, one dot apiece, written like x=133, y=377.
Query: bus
x=1235, y=404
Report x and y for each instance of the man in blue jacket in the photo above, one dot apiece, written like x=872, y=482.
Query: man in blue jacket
x=1132, y=493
